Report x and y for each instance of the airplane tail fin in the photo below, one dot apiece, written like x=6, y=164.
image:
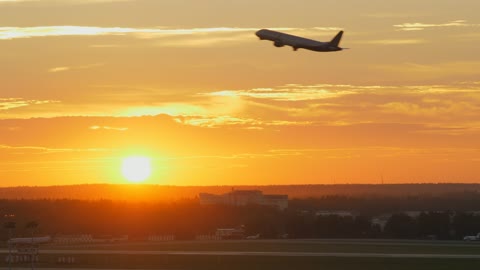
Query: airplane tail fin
x=336, y=40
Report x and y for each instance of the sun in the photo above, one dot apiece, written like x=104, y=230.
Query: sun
x=136, y=169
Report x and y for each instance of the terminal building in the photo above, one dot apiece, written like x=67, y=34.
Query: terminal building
x=245, y=197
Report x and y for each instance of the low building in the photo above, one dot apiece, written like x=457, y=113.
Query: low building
x=335, y=213
x=87, y=238
x=208, y=237
x=161, y=238
x=231, y=233
x=73, y=239
x=245, y=197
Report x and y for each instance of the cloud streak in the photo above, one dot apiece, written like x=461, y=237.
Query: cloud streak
x=62, y=2
x=343, y=105
x=287, y=93
x=247, y=123
x=65, y=68
x=396, y=41
x=435, y=71
x=9, y=33
x=48, y=150
x=289, y=105
x=422, y=26
x=108, y=128
x=13, y=103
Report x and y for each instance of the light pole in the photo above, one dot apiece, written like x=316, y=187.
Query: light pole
x=32, y=226
x=10, y=226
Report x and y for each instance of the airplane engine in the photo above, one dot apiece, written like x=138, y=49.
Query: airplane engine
x=278, y=44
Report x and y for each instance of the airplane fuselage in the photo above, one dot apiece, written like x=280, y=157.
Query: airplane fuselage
x=282, y=39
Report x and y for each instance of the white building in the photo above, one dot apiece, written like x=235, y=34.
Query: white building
x=245, y=197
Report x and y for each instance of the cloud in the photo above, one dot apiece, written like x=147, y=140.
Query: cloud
x=327, y=28
x=47, y=150
x=108, y=128
x=286, y=93
x=343, y=105
x=440, y=70
x=275, y=107
x=12, y=103
x=390, y=15
x=248, y=123
x=108, y=46
x=62, y=2
x=205, y=40
x=429, y=108
x=60, y=69
x=396, y=41
x=423, y=26
x=9, y=33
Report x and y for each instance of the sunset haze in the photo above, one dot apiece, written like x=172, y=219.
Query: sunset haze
x=86, y=84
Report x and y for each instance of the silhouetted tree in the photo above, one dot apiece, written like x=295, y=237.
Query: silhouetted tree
x=300, y=224
x=434, y=224
x=401, y=226
x=465, y=224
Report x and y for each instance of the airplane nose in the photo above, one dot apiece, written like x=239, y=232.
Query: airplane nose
x=259, y=34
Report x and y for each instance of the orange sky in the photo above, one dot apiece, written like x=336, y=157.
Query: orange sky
x=85, y=83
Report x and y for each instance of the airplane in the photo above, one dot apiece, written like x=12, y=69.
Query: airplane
x=281, y=39
x=253, y=237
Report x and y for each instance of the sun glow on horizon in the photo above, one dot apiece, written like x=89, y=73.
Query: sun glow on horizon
x=136, y=169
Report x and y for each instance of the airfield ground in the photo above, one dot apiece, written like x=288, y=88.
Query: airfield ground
x=265, y=254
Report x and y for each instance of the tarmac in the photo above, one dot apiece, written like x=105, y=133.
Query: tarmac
x=247, y=253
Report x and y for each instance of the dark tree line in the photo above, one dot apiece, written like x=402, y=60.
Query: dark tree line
x=376, y=205
x=437, y=225
x=188, y=218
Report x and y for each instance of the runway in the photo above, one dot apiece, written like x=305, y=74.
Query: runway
x=28, y=268
x=262, y=254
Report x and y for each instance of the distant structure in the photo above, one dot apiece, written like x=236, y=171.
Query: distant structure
x=87, y=238
x=231, y=233
x=334, y=213
x=73, y=239
x=245, y=197
x=161, y=238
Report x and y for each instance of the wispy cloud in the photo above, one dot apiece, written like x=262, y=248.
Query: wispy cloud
x=52, y=31
x=396, y=41
x=8, y=33
x=47, y=150
x=434, y=109
x=343, y=105
x=62, y=2
x=435, y=70
x=12, y=103
x=287, y=105
x=108, y=46
x=422, y=26
x=58, y=69
x=108, y=128
x=248, y=123
x=286, y=93
x=390, y=15
x=206, y=40
x=65, y=68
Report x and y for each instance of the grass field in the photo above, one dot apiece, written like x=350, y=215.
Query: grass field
x=253, y=263
x=249, y=262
